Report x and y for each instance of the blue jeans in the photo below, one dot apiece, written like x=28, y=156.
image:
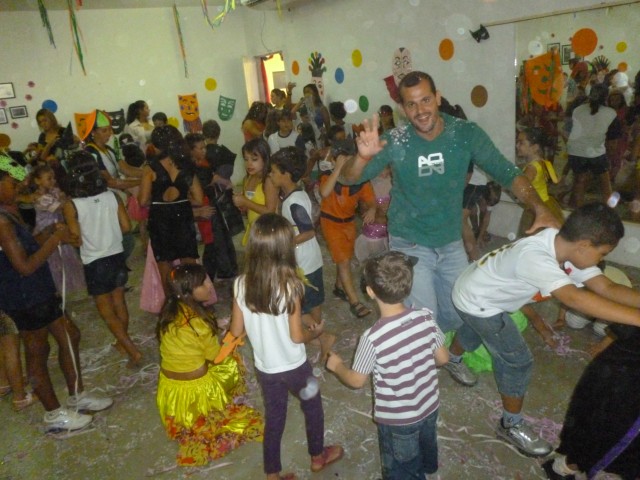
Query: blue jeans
x=409, y=452
x=512, y=360
x=433, y=278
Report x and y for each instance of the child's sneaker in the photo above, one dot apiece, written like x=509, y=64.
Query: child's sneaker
x=524, y=439
x=88, y=403
x=63, y=419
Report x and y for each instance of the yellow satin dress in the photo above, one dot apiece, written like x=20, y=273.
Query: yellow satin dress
x=201, y=414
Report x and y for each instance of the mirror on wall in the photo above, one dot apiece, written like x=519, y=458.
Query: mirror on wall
x=559, y=59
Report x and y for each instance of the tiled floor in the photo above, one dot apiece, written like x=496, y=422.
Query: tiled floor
x=128, y=441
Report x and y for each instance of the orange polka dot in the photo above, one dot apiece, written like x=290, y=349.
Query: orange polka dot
x=5, y=140
x=295, y=67
x=584, y=42
x=446, y=49
x=622, y=66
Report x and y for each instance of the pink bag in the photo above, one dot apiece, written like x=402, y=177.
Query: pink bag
x=152, y=294
x=135, y=210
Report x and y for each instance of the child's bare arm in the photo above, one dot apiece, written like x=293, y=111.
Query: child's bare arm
x=123, y=216
x=349, y=377
x=237, y=320
x=614, y=291
x=441, y=356
x=298, y=332
x=71, y=219
x=539, y=325
x=304, y=236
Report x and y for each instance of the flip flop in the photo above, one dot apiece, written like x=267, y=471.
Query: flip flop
x=340, y=293
x=359, y=310
x=329, y=455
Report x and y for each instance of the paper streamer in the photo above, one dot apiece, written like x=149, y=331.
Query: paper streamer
x=228, y=6
x=75, y=35
x=176, y=17
x=45, y=21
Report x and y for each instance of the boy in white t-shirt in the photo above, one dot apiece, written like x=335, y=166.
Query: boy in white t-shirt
x=551, y=262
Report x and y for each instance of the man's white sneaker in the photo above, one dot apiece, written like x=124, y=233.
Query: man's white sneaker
x=524, y=439
x=461, y=373
x=65, y=420
x=88, y=403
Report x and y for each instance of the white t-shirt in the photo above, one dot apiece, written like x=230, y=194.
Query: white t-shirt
x=509, y=277
x=273, y=349
x=276, y=142
x=99, y=225
x=588, y=132
x=296, y=208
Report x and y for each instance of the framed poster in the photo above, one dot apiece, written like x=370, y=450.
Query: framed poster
x=566, y=54
x=18, y=112
x=553, y=46
x=3, y=116
x=6, y=91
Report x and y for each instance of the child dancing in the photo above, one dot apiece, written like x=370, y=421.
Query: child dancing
x=196, y=397
x=267, y=300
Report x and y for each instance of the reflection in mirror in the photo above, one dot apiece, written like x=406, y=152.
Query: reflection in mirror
x=569, y=66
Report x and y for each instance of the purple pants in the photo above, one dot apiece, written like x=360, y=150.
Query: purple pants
x=275, y=391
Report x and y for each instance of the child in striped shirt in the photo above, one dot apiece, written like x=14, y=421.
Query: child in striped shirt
x=402, y=350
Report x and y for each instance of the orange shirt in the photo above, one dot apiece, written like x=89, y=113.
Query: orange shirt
x=343, y=201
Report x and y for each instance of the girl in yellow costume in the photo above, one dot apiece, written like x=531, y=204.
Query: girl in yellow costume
x=530, y=147
x=195, y=395
x=259, y=195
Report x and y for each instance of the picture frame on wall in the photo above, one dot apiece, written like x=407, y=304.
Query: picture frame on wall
x=3, y=116
x=18, y=112
x=551, y=46
x=566, y=54
x=7, y=91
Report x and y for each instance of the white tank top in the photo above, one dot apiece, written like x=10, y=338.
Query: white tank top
x=98, y=219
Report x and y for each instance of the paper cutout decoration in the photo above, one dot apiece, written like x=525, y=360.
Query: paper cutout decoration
x=117, y=121
x=356, y=58
x=295, y=67
x=446, y=49
x=317, y=68
x=400, y=66
x=543, y=79
x=50, y=105
x=190, y=113
x=363, y=103
x=479, y=96
x=183, y=52
x=44, y=16
x=226, y=107
x=174, y=122
x=339, y=75
x=228, y=6
x=210, y=84
x=621, y=47
x=84, y=123
x=5, y=140
x=75, y=35
x=584, y=42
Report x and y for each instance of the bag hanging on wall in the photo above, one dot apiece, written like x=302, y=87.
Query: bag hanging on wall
x=230, y=214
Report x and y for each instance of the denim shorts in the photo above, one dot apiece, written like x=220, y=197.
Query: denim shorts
x=313, y=296
x=512, y=359
x=433, y=278
x=409, y=452
x=106, y=274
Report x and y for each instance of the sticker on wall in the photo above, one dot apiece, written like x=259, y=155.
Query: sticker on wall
x=117, y=121
x=621, y=47
x=15, y=125
x=363, y=103
x=317, y=68
x=622, y=66
x=210, y=84
x=339, y=75
x=50, y=105
x=535, y=47
x=31, y=84
x=479, y=96
x=226, y=107
x=356, y=58
x=584, y=42
x=174, y=122
x=401, y=64
x=295, y=67
x=5, y=140
x=351, y=106
x=190, y=113
x=28, y=97
x=446, y=49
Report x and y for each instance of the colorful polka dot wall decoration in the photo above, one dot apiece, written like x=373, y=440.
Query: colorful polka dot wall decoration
x=339, y=75
x=5, y=140
x=356, y=58
x=50, y=105
x=623, y=67
x=446, y=49
x=479, y=96
x=363, y=103
x=584, y=42
x=295, y=67
x=173, y=121
x=210, y=84
x=621, y=47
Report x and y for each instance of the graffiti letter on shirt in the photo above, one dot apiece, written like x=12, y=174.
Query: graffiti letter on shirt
x=426, y=166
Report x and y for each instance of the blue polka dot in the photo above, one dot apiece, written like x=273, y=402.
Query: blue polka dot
x=339, y=75
x=50, y=105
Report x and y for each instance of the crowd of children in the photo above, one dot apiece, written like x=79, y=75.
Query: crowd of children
x=279, y=292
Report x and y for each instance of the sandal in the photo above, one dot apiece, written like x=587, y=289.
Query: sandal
x=340, y=293
x=5, y=390
x=329, y=455
x=28, y=400
x=359, y=310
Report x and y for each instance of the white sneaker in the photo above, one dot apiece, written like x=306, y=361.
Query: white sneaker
x=63, y=419
x=89, y=403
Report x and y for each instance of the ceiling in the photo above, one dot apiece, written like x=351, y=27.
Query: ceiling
x=26, y=5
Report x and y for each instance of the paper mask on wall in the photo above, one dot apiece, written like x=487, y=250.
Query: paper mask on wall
x=190, y=113
x=400, y=66
x=317, y=68
x=84, y=123
x=226, y=107
x=117, y=121
x=544, y=80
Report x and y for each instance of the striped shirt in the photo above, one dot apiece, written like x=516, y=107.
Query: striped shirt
x=399, y=351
